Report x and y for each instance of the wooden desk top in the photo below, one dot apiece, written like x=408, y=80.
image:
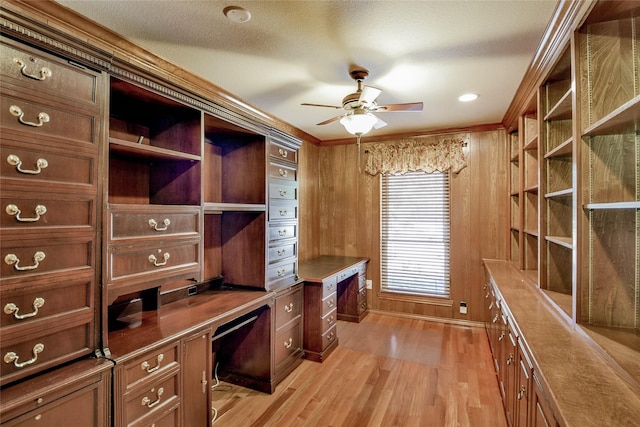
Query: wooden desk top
x=317, y=269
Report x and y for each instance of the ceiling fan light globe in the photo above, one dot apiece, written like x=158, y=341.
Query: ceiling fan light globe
x=358, y=123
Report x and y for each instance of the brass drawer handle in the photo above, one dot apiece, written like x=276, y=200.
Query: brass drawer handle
x=11, y=308
x=282, y=233
x=283, y=172
x=147, y=401
x=154, y=224
x=288, y=343
x=42, y=117
x=12, y=357
x=363, y=305
x=501, y=337
x=14, y=210
x=289, y=307
x=282, y=192
x=283, y=153
x=330, y=319
x=281, y=252
x=491, y=305
x=495, y=318
x=510, y=359
x=330, y=336
x=522, y=392
x=43, y=73
x=330, y=303
x=281, y=271
x=283, y=212
x=14, y=160
x=12, y=259
x=146, y=367
x=153, y=260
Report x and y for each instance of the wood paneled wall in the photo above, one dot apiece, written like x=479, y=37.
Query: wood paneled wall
x=340, y=215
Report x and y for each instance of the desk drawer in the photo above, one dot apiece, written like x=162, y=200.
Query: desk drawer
x=329, y=320
x=153, y=223
x=32, y=210
x=288, y=307
x=329, y=337
x=154, y=398
x=281, y=191
x=282, y=153
x=152, y=365
x=329, y=286
x=282, y=212
x=288, y=342
x=282, y=252
x=329, y=303
x=283, y=172
x=282, y=231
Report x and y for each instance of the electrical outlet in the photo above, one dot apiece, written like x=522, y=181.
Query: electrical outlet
x=369, y=284
x=463, y=307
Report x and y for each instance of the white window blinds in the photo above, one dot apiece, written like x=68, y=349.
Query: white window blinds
x=415, y=233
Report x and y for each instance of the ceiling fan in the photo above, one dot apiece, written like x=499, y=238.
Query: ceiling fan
x=359, y=106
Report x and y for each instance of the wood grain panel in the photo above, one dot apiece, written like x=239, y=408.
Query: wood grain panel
x=308, y=203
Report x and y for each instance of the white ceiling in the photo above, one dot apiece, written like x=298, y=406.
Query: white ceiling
x=291, y=52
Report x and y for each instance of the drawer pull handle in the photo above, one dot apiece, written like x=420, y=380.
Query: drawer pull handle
x=495, y=318
x=330, y=303
x=12, y=357
x=282, y=233
x=148, y=403
x=501, y=337
x=283, y=212
x=14, y=160
x=44, y=71
x=491, y=305
x=282, y=192
x=153, y=260
x=11, y=308
x=363, y=305
x=510, y=359
x=522, y=392
x=330, y=319
x=283, y=153
x=330, y=336
x=204, y=382
x=154, y=224
x=288, y=343
x=16, y=111
x=283, y=173
x=145, y=365
x=289, y=307
x=281, y=271
x=12, y=259
x=14, y=210
x=281, y=252
x=486, y=296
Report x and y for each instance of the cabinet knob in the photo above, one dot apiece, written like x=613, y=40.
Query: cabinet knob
x=12, y=259
x=17, y=111
x=13, y=210
x=41, y=75
x=14, y=160
x=12, y=357
x=12, y=308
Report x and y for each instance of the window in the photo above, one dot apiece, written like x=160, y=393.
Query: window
x=415, y=235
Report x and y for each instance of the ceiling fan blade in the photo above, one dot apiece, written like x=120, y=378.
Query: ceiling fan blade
x=369, y=94
x=333, y=119
x=410, y=106
x=321, y=105
x=379, y=123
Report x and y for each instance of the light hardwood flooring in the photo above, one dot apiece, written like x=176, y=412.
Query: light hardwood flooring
x=387, y=371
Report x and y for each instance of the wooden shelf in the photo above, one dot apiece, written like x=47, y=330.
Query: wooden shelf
x=129, y=148
x=614, y=205
x=563, y=150
x=560, y=193
x=566, y=242
x=533, y=233
x=515, y=158
x=562, y=109
x=532, y=144
x=533, y=189
x=219, y=208
x=624, y=119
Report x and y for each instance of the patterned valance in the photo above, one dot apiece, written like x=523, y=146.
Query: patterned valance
x=409, y=155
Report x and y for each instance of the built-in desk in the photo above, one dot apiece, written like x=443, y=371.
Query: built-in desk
x=334, y=289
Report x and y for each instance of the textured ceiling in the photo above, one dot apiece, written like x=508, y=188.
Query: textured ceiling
x=291, y=52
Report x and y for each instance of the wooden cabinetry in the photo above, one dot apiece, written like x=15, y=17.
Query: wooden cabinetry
x=50, y=131
x=288, y=326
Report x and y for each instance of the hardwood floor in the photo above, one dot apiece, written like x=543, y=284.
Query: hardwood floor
x=386, y=371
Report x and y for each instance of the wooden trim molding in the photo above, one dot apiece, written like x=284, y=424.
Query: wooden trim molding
x=415, y=299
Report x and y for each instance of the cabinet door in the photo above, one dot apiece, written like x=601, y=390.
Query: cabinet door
x=196, y=376
x=522, y=387
x=541, y=413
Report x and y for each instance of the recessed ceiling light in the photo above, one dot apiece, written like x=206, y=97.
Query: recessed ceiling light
x=467, y=97
x=237, y=14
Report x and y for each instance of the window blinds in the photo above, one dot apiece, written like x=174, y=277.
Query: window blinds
x=415, y=233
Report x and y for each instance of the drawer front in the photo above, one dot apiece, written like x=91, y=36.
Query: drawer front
x=170, y=419
x=150, y=366
x=39, y=167
x=329, y=303
x=280, y=191
x=281, y=252
x=46, y=120
x=329, y=320
x=126, y=225
x=282, y=212
x=154, y=398
x=329, y=286
x=29, y=210
x=30, y=258
x=283, y=153
x=345, y=274
x=284, y=172
x=362, y=282
x=282, y=231
x=41, y=304
x=281, y=271
x=34, y=355
x=329, y=337
x=361, y=268
x=45, y=74
x=288, y=307
x=127, y=261
x=288, y=342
